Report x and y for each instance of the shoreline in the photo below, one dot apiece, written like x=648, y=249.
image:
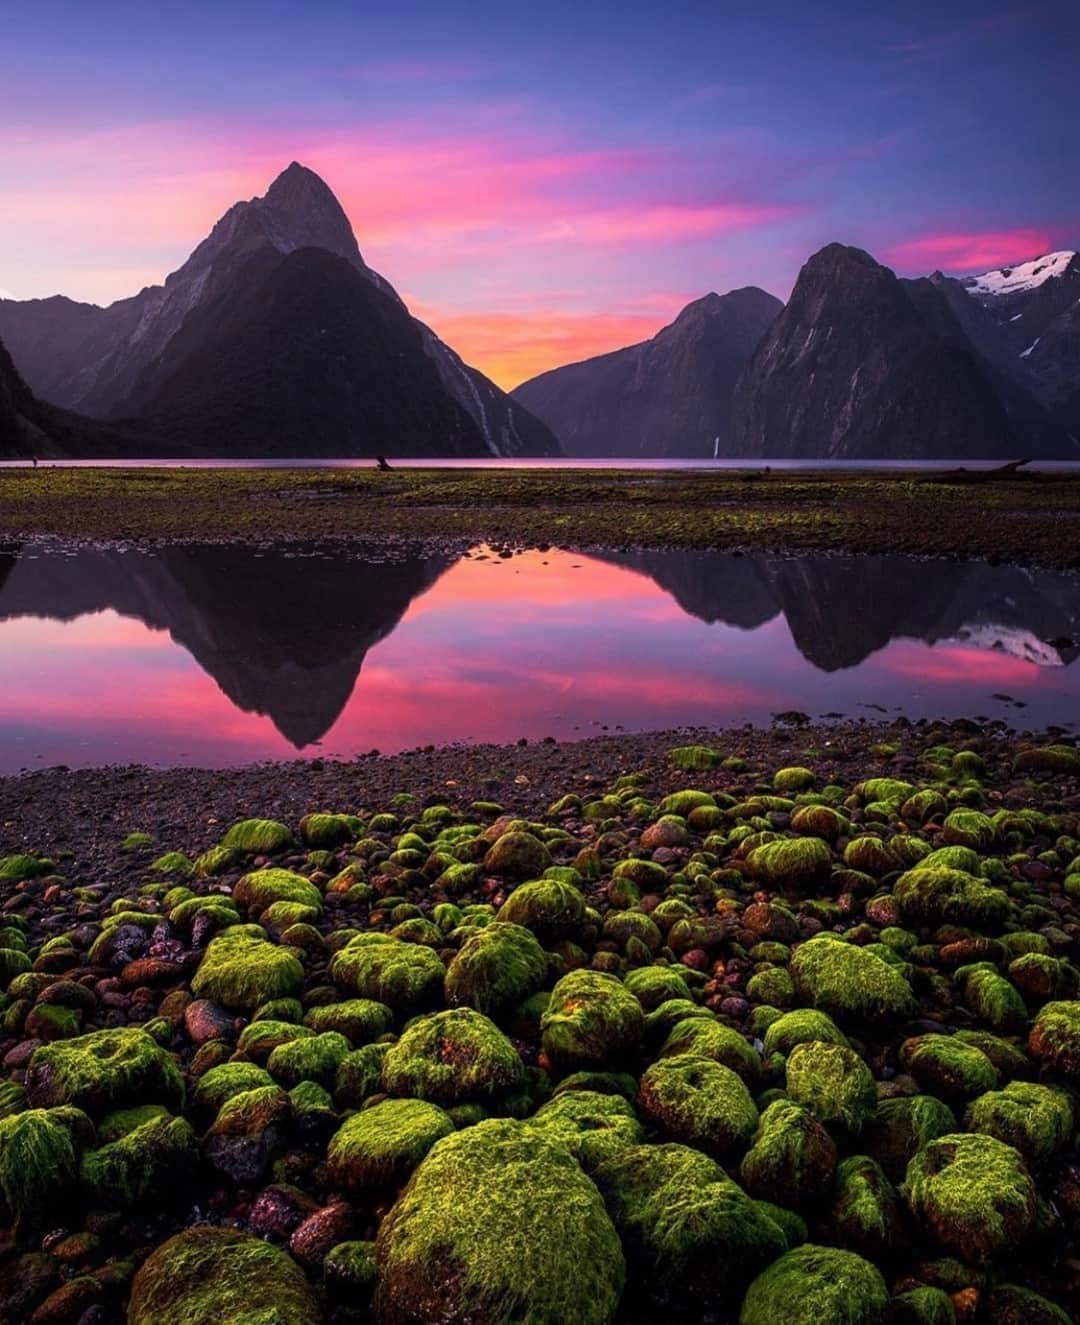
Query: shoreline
x=961, y=514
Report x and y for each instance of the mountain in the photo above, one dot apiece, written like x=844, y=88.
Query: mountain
x=668, y=396
x=863, y=365
x=235, y=610
x=112, y=362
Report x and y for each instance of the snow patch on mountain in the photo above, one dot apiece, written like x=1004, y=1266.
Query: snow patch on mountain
x=1024, y=276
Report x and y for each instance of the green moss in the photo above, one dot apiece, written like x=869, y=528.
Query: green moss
x=789, y=781
x=594, y=1126
x=795, y=864
x=13, y=962
x=380, y=1146
x=219, y=1274
x=359, y=1019
x=692, y=1235
x=816, y=1286
x=993, y=999
x=221, y=1083
x=313, y=1058
x=819, y=821
x=151, y=1159
x=923, y=805
x=330, y=830
x=16, y=869
x=450, y=1057
x=359, y=1076
x=1036, y=1120
x=137, y=842
x=792, y=1158
x=552, y=909
x=695, y=758
x=39, y=1159
x=249, y=1130
x=699, y=1101
x=376, y=966
x=259, y=1039
x=922, y=1306
x=773, y=986
x=592, y=1018
x=216, y=861
x=933, y=896
x=903, y=1126
x=953, y=858
x=969, y=828
x=870, y=855
x=262, y=888
x=849, y=982
x=1055, y=1038
x=518, y=854
x=104, y=1070
x=505, y=1253
x=1009, y=1304
x=890, y=791
x=867, y=1214
x=706, y=1038
x=497, y=968
x=833, y=1082
x=259, y=837
x=653, y=985
x=800, y=1027
x=350, y=1267
x=945, y=1066
x=974, y=1193
x=241, y=969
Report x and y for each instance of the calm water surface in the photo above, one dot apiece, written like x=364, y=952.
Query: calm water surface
x=219, y=656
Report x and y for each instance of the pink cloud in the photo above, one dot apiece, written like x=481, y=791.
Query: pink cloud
x=968, y=250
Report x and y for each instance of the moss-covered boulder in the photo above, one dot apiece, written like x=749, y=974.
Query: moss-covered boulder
x=497, y=968
x=532, y=1243
x=692, y=1236
x=833, y=1082
x=794, y=864
x=258, y=837
x=592, y=1018
x=945, y=1066
x=309, y=1058
x=992, y=998
x=704, y=1037
x=867, y=1215
x=1037, y=1120
x=241, y=968
x=143, y=1165
x=1011, y=1304
x=249, y=1132
x=850, y=982
x=450, y=1057
x=552, y=909
x=519, y=855
x=969, y=828
x=360, y=1020
x=800, y=1027
x=104, y=1070
x=935, y=896
x=974, y=1193
x=699, y=1101
x=817, y=1286
x=792, y=1158
x=20, y=867
x=219, y=1274
x=39, y=1160
x=261, y=889
x=593, y=1125
x=326, y=831
x=401, y=975
x=653, y=985
x=379, y=1147
x=902, y=1126
x=224, y=1081
x=1055, y=1038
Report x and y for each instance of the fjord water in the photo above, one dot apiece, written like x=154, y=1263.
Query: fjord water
x=218, y=656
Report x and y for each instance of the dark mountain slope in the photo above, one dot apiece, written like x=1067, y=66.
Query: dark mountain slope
x=860, y=366
x=301, y=356
x=668, y=396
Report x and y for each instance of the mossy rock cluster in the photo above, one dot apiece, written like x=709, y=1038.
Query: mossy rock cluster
x=788, y=1043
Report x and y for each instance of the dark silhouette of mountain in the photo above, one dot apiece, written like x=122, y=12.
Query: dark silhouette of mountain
x=281, y=635
x=840, y=610
x=668, y=396
x=863, y=365
x=100, y=360
x=301, y=356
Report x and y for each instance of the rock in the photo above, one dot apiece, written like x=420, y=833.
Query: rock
x=1037, y=1120
x=261, y=889
x=691, y=1234
x=901, y=1127
x=322, y=1229
x=219, y=1274
x=799, y=864
x=1055, y=1038
x=945, y=1066
x=330, y=830
x=497, y=968
x=258, y=837
x=800, y=1027
x=833, y=1082
x=850, y=982
x=593, y=1126
x=249, y=1132
x=816, y=1286
x=358, y=1019
x=867, y=1214
x=205, y=1021
x=519, y=855
x=241, y=969
x=155, y=1155
x=379, y=1147
x=104, y=1070
x=974, y=1193
x=450, y=1057
x=699, y=1101
x=592, y=1018
x=504, y=1253
x=39, y=1159
x=792, y=1158
x=550, y=908
x=388, y=970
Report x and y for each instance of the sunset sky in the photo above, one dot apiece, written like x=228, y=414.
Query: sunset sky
x=541, y=182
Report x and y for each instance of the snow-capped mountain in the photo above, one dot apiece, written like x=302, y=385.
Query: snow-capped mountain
x=1024, y=276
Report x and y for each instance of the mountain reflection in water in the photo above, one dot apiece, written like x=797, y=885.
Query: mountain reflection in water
x=105, y=656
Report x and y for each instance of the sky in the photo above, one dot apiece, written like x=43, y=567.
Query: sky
x=541, y=182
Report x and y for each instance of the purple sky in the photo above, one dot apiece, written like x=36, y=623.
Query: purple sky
x=548, y=184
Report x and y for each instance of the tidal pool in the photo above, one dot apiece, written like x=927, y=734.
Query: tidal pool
x=219, y=656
